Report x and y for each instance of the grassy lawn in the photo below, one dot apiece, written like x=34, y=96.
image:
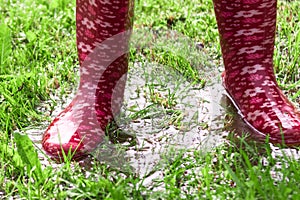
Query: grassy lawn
x=39, y=70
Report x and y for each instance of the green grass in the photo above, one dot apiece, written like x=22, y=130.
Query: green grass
x=38, y=61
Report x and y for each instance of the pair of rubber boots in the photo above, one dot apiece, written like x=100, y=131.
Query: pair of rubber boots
x=247, y=33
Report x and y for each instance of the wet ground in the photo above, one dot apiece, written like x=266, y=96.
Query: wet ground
x=194, y=121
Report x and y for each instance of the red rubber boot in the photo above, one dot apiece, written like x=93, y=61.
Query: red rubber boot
x=247, y=31
x=103, y=31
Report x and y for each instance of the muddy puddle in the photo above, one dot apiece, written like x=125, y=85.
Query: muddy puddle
x=199, y=119
x=163, y=113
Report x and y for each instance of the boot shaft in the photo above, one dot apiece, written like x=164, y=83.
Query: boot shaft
x=103, y=33
x=247, y=32
x=99, y=20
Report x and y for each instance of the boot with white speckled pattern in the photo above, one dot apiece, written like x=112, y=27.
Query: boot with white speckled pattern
x=103, y=31
x=247, y=32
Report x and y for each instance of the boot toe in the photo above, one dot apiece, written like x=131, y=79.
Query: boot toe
x=56, y=147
